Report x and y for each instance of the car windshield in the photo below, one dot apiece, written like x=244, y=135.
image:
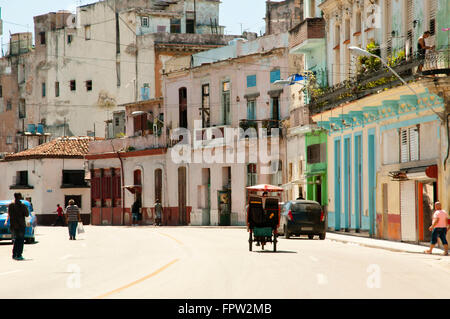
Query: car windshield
x=3, y=209
x=306, y=207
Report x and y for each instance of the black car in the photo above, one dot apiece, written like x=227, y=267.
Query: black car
x=302, y=217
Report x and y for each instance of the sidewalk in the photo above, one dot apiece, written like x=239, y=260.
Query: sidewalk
x=381, y=244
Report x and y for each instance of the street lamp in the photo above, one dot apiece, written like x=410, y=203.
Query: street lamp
x=362, y=52
x=293, y=79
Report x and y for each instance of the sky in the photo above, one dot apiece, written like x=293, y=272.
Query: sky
x=17, y=15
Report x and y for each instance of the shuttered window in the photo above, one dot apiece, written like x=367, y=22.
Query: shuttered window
x=251, y=174
x=409, y=144
x=432, y=9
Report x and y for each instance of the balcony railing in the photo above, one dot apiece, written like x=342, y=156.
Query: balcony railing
x=367, y=83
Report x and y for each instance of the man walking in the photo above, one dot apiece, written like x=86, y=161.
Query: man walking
x=59, y=218
x=439, y=228
x=72, y=218
x=17, y=212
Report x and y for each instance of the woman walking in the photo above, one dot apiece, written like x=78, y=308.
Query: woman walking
x=72, y=218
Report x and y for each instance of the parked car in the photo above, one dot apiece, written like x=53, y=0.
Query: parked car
x=5, y=233
x=302, y=217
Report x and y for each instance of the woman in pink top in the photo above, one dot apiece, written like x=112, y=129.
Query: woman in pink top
x=439, y=228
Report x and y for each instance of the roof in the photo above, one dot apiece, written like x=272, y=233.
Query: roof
x=62, y=147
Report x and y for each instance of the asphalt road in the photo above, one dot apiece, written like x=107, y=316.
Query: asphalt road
x=193, y=262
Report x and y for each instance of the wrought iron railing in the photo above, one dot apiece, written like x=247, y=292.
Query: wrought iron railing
x=367, y=83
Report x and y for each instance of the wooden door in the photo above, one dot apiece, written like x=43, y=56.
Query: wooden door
x=182, y=196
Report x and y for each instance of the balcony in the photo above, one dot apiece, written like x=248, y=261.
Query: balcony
x=370, y=81
x=210, y=136
x=310, y=31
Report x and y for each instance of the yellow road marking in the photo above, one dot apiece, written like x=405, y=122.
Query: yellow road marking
x=179, y=242
x=138, y=281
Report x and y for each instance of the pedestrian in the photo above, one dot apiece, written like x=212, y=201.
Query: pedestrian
x=136, y=210
x=158, y=211
x=422, y=49
x=17, y=212
x=73, y=217
x=59, y=218
x=439, y=228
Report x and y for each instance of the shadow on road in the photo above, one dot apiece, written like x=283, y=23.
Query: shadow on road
x=275, y=252
x=2, y=243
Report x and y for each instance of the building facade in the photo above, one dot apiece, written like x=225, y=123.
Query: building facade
x=28, y=172
x=383, y=172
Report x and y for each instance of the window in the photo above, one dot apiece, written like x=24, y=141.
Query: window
x=175, y=26
x=144, y=22
x=277, y=172
x=347, y=30
x=22, y=178
x=226, y=103
x=275, y=111
x=182, y=98
x=190, y=26
x=140, y=124
x=206, y=118
x=69, y=38
x=409, y=144
x=8, y=105
x=316, y=153
x=358, y=21
x=251, y=110
x=145, y=92
x=1, y=91
x=42, y=37
x=73, y=85
x=9, y=140
x=87, y=32
x=73, y=178
x=22, y=109
x=275, y=75
x=89, y=85
x=300, y=169
x=43, y=89
x=251, y=174
x=56, y=89
x=251, y=81
x=290, y=172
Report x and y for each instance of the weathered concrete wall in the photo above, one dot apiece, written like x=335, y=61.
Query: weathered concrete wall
x=46, y=192
x=282, y=16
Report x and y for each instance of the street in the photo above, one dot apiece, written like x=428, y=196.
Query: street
x=190, y=262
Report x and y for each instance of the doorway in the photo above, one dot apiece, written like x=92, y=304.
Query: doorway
x=182, y=212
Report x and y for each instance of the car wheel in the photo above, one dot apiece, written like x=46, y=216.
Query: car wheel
x=286, y=233
x=311, y=236
x=322, y=236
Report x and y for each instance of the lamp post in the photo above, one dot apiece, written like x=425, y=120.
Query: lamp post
x=362, y=52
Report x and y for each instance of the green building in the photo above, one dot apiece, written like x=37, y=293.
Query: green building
x=316, y=166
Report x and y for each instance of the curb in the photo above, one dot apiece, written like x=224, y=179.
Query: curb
x=369, y=245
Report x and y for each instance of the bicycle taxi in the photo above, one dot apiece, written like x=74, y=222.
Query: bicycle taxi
x=263, y=214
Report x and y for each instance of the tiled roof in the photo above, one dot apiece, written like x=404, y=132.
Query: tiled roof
x=62, y=147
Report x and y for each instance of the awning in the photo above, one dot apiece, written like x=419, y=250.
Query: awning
x=134, y=188
x=265, y=188
x=421, y=173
